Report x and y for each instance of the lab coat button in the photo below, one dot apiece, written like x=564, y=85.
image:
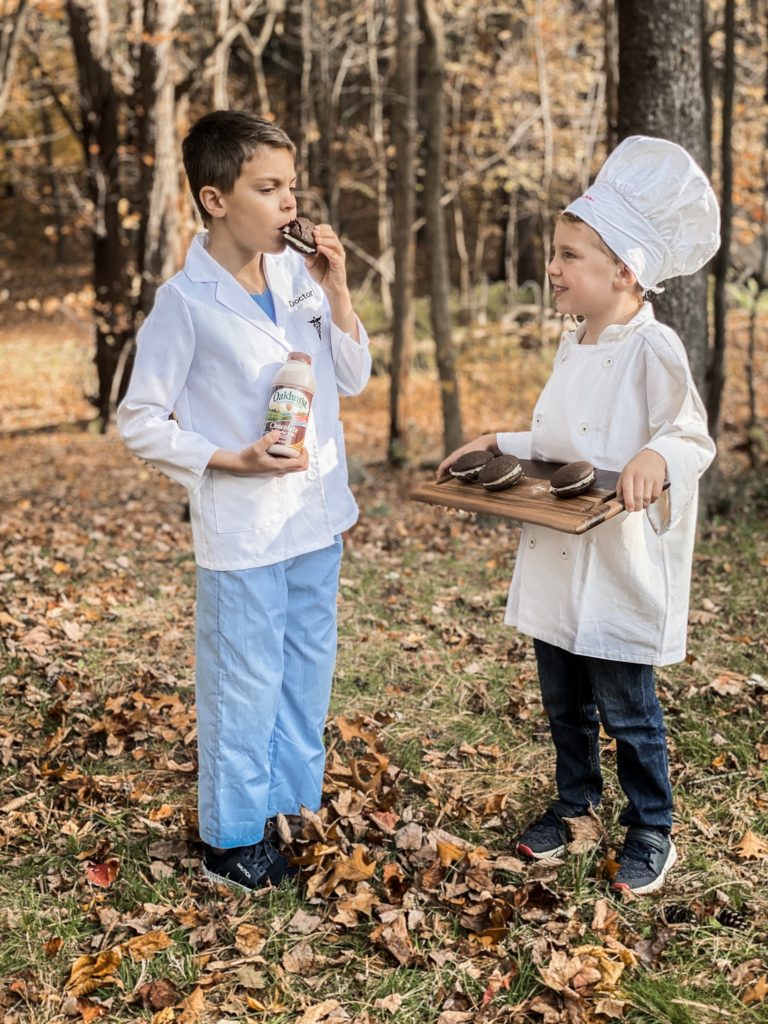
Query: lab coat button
x=583, y=428
x=531, y=542
x=565, y=553
x=608, y=361
x=538, y=419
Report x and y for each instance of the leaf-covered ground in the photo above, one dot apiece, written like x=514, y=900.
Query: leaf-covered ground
x=411, y=906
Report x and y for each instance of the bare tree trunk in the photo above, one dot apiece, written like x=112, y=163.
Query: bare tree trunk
x=306, y=128
x=100, y=103
x=11, y=32
x=404, y=131
x=546, y=172
x=715, y=376
x=661, y=93
x=375, y=28
x=434, y=174
x=611, y=68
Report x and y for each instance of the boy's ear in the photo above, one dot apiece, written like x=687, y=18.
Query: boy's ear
x=210, y=198
x=627, y=278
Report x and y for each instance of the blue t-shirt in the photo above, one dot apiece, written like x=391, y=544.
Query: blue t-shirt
x=267, y=303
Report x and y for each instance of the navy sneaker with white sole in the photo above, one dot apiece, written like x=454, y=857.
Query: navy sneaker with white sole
x=246, y=867
x=546, y=837
x=644, y=861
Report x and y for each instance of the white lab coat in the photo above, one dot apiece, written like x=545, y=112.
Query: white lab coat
x=208, y=352
x=621, y=590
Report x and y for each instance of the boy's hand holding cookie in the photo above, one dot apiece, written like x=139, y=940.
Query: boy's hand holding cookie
x=642, y=480
x=328, y=267
x=255, y=460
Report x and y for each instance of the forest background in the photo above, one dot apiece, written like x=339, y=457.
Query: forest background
x=440, y=139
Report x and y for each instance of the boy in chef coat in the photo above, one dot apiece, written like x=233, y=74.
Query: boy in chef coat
x=605, y=607
x=267, y=529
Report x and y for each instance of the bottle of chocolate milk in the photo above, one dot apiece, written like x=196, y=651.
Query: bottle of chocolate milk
x=290, y=400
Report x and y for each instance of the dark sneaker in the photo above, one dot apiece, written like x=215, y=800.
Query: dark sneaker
x=645, y=859
x=547, y=837
x=246, y=867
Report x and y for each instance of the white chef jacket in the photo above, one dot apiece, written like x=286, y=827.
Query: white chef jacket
x=621, y=590
x=208, y=352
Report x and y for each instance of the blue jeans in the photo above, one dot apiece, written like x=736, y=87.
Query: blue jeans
x=265, y=653
x=579, y=692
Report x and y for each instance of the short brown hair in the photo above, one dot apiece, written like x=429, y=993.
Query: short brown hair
x=217, y=146
x=572, y=218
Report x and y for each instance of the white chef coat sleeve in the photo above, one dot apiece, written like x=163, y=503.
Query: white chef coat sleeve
x=678, y=425
x=517, y=443
x=351, y=359
x=165, y=346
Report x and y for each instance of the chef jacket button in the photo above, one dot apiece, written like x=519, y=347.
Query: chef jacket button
x=538, y=419
x=312, y=474
x=565, y=553
x=563, y=357
x=608, y=361
x=583, y=428
x=531, y=542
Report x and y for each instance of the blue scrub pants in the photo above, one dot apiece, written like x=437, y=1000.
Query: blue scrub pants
x=265, y=654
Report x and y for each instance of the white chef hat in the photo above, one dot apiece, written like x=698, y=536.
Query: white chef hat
x=653, y=206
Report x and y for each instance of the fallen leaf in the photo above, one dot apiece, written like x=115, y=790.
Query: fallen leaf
x=144, y=947
x=390, y=1003
x=103, y=874
x=91, y=972
x=756, y=993
x=303, y=923
x=319, y=1012
x=354, y=868
x=752, y=846
x=192, y=1008
x=158, y=994
x=395, y=939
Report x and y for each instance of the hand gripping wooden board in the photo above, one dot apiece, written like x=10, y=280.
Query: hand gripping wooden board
x=529, y=501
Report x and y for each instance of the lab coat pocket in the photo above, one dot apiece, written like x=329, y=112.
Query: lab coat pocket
x=243, y=503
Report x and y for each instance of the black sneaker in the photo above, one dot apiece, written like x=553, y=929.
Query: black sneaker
x=547, y=837
x=246, y=867
x=645, y=859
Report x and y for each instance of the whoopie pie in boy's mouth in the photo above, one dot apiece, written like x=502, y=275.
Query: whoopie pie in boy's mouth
x=299, y=234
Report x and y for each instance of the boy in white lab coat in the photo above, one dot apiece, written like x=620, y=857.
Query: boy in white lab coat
x=267, y=529
x=605, y=607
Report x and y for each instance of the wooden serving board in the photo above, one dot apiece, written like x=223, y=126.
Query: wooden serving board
x=529, y=501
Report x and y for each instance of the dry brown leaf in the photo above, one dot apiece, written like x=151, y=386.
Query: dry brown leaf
x=144, y=947
x=354, y=868
x=91, y=972
x=302, y=959
x=164, y=1016
x=158, y=994
x=350, y=729
x=395, y=939
x=611, y=1008
x=390, y=1003
x=752, y=847
x=586, y=833
x=756, y=993
x=303, y=923
x=318, y=1012
x=250, y=939
x=192, y=1008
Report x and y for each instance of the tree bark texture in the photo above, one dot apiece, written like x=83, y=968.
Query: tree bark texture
x=661, y=93
x=11, y=31
x=716, y=370
x=100, y=102
x=433, y=110
x=404, y=131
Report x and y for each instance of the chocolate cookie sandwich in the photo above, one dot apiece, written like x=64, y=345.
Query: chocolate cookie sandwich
x=299, y=235
x=572, y=479
x=500, y=473
x=467, y=467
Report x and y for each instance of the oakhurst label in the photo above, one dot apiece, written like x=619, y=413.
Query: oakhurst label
x=288, y=413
